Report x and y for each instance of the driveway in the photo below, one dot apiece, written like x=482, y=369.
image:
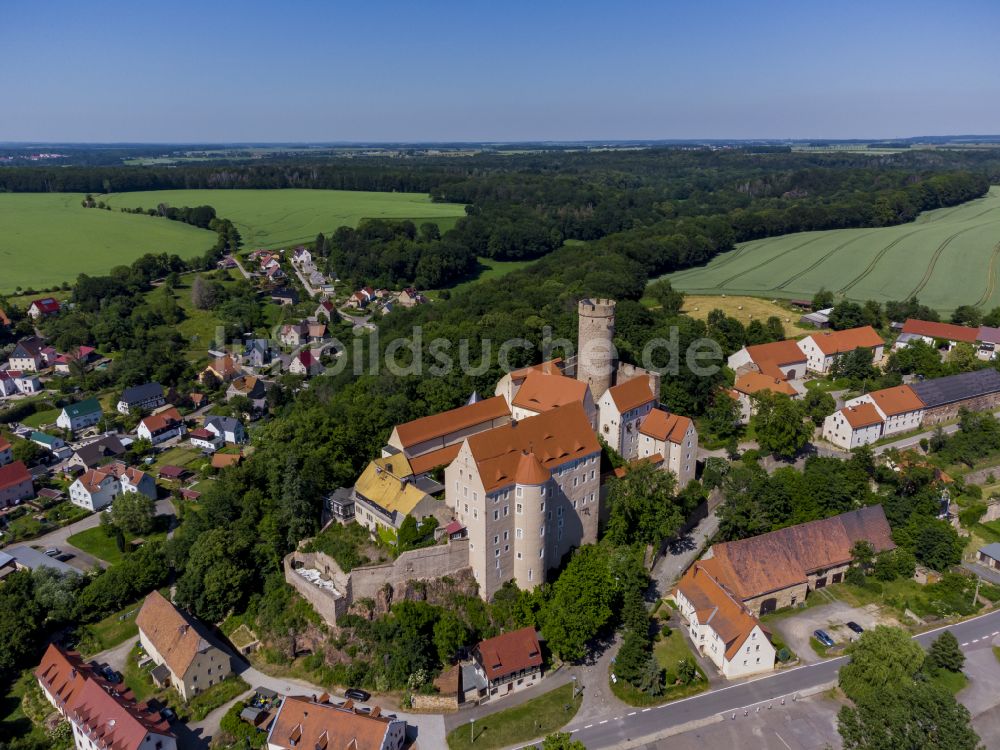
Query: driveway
x=681, y=553
x=797, y=629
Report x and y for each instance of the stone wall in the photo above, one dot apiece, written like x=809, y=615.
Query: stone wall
x=784, y=598
x=370, y=581
x=939, y=414
x=429, y=562
x=435, y=703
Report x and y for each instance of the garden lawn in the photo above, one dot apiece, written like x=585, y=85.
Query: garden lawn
x=107, y=633
x=205, y=702
x=95, y=542
x=953, y=682
x=40, y=418
x=536, y=718
x=668, y=650
x=178, y=456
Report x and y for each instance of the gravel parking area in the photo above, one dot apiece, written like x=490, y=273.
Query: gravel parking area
x=797, y=629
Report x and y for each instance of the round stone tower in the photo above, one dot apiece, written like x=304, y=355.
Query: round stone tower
x=596, y=356
x=530, y=498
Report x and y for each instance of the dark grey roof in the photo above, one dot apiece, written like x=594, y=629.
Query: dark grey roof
x=92, y=454
x=136, y=394
x=224, y=424
x=966, y=385
x=33, y=560
x=992, y=550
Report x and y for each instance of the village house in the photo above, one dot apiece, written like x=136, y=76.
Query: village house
x=204, y=440
x=509, y=662
x=27, y=355
x=6, y=452
x=900, y=407
x=720, y=626
x=15, y=382
x=316, y=724
x=43, y=308
x=510, y=384
x=528, y=492
x=782, y=360
x=854, y=426
x=16, y=484
x=748, y=384
x=410, y=297
x=144, y=397
x=822, y=349
x=102, y=716
x=97, y=488
x=387, y=492
x=257, y=353
x=946, y=336
x=988, y=339
x=943, y=398
x=185, y=658
x=49, y=442
x=229, y=429
x=540, y=392
x=622, y=409
x=250, y=387
x=989, y=555
x=80, y=416
x=317, y=332
x=672, y=441
x=361, y=298
x=222, y=369
x=162, y=426
x=305, y=363
x=325, y=309
x=97, y=452
x=294, y=334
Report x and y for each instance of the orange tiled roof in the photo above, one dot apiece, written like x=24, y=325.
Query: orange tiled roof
x=663, y=425
x=541, y=391
x=550, y=367
x=838, y=342
x=171, y=633
x=946, y=331
x=439, y=425
x=225, y=460
x=510, y=652
x=555, y=437
x=862, y=415
x=898, y=400
x=716, y=606
x=308, y=725
x=429, y=461
x=755, y=382
x=773, y=561
x=632, y=393
x=161, y=420
x=770, y=357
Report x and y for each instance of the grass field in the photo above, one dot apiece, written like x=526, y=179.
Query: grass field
x=948, y=257
x=98, y=544
x=536, y=718
x=276, y=218
x=49, y=238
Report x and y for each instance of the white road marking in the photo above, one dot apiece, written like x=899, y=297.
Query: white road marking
x=603, y=722
x=646, y=709
x=588, y=726
x=783, y=741
x=633, y=713
x=966, y=643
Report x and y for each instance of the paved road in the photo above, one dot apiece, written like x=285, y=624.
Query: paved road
x=643, y=725
x=682, y=552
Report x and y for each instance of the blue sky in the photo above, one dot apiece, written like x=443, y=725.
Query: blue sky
x=298, y=70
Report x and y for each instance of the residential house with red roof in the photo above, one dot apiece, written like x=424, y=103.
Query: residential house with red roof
x=16, y=484
x=162, y=426
x=102, y=716
x=783, y=360
x=184, y=656
x=6, y=452
x=854, y=426
x=945, y=335
x=43, y=307
x=823, y=348
x=622, y=408
x=749, y=383
x=672, y=441
x=98, y=487
x=305, y=363
x=317, y=724
x=509, y=662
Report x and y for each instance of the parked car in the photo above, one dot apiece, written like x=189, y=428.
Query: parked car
x=822, y=637
x=53, y=551
x=111, y=675
x=855, y=627
x=168, y=714
x=357, y=694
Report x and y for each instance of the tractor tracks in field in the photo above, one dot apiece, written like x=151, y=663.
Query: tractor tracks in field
x=991, y=282
x=874, y=262
x=929, y=271
x=730, y=257
x=770, y=260
x=810, y=267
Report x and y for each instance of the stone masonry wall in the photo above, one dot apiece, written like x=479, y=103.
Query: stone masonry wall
x=940, y=414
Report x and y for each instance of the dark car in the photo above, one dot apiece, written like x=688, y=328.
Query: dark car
x=855, y=627
x=357, y=694
x=168, y=714
x=111, y=675
x=822, y=637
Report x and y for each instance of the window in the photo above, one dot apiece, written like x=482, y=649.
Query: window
x=518, y=555
x=496, y=553
x=542, y=508
x=506, y=548
x=496, y=499
x=466, y=507
x=541, y=531
x=576, y=481
x=574, y=504
x=498, y=566
x=506, y=535
x=465, y=491
x=543, y=492
x=520, y=491
x=475, y=512
x=519, y=509
x=475, y=497
x=531, y=573
x=496, y=515
x=592, y=474
x=541, y=552
x=518, y=534
x=559, y=511
x=506, y=511
x=496, y=539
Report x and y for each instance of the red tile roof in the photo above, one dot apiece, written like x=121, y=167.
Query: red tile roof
x=444, y=423
x=755, y=382
x=632, y=393
x=46, y=305
x=770, y=357
x=550, y=367
x=664, y=426
x=110, y=713
x=430, y=461
x=509, y=653
x=716, y=606
x=838, y=342
x=540, y=392
x=862, y=415
x=530, y=471
x=14, y=474
x=310, y=725
x=898, y=400
x=946, y=331
x=162, y=420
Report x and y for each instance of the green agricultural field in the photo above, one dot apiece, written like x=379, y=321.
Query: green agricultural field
x=277, y=218
x=948, y=257
x=49, y=238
